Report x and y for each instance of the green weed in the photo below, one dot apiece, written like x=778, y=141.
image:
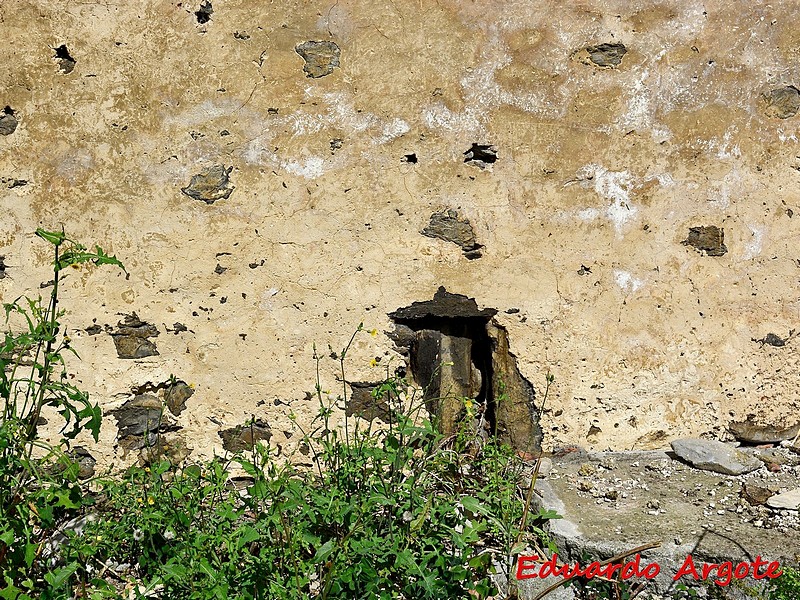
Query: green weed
x=38, y=481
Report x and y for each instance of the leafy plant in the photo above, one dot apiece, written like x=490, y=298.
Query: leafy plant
x=387, y=512
x=787, y=586
x=33, y=375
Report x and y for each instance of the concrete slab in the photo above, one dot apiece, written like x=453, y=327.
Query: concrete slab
x=615, y=501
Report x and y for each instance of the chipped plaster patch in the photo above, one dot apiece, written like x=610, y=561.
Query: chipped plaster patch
x=203, y=112
x=726, y=151
x=255, y=152
x=589, y=214
x=310, y=168
x=627, y=282
x=394, y=129
x=664, y=179
x=754, y=246
x=483, y=94
x=342, y=113
x=74, y=163
x=613, y=185
x=732, y=183
x=266, y=302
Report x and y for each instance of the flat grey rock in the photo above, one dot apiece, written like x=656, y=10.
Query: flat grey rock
x=788, y=500
x=710, y=455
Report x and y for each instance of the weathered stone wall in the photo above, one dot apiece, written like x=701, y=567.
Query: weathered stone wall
x=567, y=149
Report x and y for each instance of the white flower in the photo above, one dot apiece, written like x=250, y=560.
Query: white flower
x=138, y=534
x=169, y=535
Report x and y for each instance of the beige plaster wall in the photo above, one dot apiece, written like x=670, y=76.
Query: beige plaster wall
x=605, y=168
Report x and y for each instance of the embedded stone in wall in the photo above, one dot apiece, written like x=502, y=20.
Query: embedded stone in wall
x=96, y=329
x=79, y=457
x=131, y=336
x=363, y=404
x=782, y=102
x=320, y=57
x=86, y=462
x=139, y=415
x=458, y=352
x=8, y=122
x=480, y=155
x=175, y=396
x=516, y=415
x=210, y=185
x=751, y=432
x=448, y=226
x=442, y=365
x=65, y=61
x=607, y=55
x=443, y=305
x=245, y=437
x=170, y=447
x=773, y=340
x=445, y=339
x=708, y=239
x=403, y=337
x=139, y=421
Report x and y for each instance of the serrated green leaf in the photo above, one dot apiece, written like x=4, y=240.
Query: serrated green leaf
x=7, y=537
x=53, y=237
x=248, y=534
x=473, y=505
x=175, y=571
x=324, y=551
x=58, y=578
x=30, y=553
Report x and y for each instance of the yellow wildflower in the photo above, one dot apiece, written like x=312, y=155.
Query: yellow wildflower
x=373, y=332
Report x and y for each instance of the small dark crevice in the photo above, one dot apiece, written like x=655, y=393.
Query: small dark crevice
x=481, y=155
x=65, y=61
x=410, y=158
x=3, y=267
x=204, y=13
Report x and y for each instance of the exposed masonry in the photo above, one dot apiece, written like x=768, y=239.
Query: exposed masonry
x=457, y=351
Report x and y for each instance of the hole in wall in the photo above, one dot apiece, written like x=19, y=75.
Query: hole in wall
x=481, y=155
x=457, y=351
x=65, y=61
x=203, y=15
